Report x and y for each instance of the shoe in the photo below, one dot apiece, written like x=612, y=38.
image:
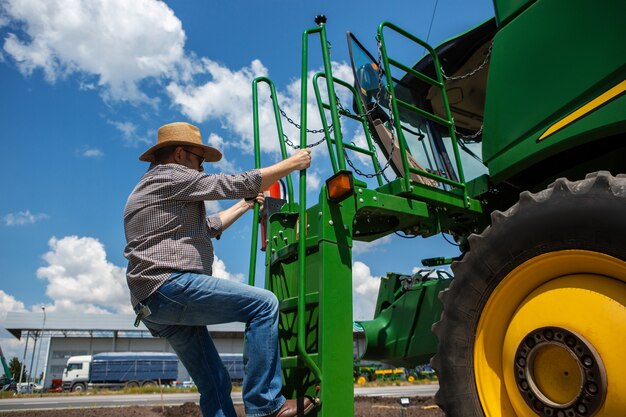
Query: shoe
x=292, y=408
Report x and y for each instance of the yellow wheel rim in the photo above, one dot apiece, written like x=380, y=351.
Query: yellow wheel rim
x=411, y=378
x=579, y=291
x=361, y=380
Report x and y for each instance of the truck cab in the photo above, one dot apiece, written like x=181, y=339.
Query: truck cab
x=76, y=373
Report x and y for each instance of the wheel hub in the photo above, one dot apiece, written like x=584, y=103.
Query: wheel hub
x=559, y=374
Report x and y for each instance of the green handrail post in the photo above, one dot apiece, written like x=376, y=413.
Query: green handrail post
x=301, y=343
x=257, y=163
x=333, y=270
x=320, y=106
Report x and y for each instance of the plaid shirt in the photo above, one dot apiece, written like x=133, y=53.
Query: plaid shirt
x=166, y=225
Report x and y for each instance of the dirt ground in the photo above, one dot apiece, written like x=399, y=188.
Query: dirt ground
x=364, y=407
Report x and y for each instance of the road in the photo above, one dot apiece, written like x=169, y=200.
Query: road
x=86, y=401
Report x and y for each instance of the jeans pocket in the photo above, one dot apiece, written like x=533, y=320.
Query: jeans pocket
x=165, y=310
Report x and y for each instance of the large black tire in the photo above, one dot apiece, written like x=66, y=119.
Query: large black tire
x=549, y=270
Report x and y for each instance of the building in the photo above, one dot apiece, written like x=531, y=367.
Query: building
x=65, y=335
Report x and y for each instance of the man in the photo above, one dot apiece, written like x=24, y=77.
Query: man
x=170, y=257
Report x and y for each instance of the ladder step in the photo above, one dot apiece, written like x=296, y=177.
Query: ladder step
x=291, y=362
x=291, y=304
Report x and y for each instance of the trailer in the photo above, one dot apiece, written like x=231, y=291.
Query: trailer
x=533, y=321
x=233, y=362
x=117, y=370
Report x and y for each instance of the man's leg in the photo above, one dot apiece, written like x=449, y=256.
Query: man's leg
x=199, y=300
x=195, y=349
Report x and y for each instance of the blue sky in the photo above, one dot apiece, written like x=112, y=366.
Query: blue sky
x=85, y=85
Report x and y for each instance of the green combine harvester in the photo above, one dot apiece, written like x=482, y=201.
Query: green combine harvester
x=532, y=104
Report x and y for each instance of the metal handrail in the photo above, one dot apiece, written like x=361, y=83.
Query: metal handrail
x=439, y=82
x=257, y=163
x=301, y=341
x=371, y=151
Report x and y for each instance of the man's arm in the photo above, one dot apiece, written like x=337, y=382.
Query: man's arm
x=299, y=160
x=269, y=175
x=228, y=216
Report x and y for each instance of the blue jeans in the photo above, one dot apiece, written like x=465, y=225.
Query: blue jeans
x=185, y=304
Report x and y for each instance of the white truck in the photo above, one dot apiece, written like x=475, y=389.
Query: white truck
x=119, y=369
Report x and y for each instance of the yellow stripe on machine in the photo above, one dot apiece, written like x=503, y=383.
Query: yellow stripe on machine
x=587, y=108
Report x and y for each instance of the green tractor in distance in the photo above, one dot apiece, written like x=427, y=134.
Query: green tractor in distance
x=363, y=374
x=534, y=321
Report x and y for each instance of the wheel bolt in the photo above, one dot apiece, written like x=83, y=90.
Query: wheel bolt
x=592, y=388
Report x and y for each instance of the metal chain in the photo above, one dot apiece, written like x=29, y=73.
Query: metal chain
x=469, y=74
x=290, y=120
x=470, y=138
x=388, y=163
x=294, y=146
x=366, y=175
x=290, y=143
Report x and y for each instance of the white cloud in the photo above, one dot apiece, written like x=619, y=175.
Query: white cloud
x=79, y=277
x=22, y=218
x=10, y=345
x=227, y=97
x=225, y=164
x=8, y=303
x=219, y=271
x=117, y=41
x=359, y=247
x=364, y=291
x=117, y=46
x=91, y=153
x=130, y=136
x=313, y=181
x=365, y=160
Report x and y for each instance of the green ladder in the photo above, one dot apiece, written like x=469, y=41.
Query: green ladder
x=309, y=269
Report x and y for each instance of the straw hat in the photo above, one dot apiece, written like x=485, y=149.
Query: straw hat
x=181, y=134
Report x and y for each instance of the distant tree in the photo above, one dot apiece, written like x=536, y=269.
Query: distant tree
x=15, y=366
